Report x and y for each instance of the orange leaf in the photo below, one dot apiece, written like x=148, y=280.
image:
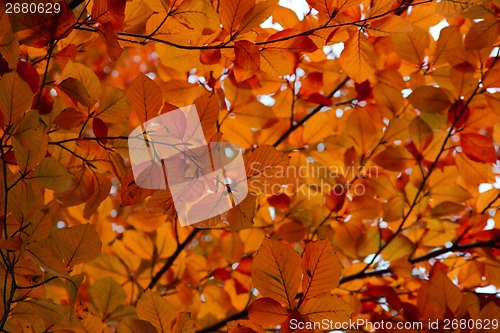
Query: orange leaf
x=267, y=312
x=295, y=44
x=321, y=268
x=358, y=57
x=210, y=57
x=394, y=159
x=430, y=99
x=145, y=97
x=247, y=55
x=232, y=12
x=275, y=271
x=266, y=169
x=110, y=39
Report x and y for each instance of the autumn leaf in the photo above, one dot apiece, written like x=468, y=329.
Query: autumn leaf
x=77, y=244
x=321, y=269
x=358, y=57
x=53, y=175
x=369, y=134
x=145, y=98
x=107, y=295
x=326, y=307
x=267, y=312
x=274, y=272
x=478, y=148
x=156, y=310
x=430, y=99
x=15, y=97
x=266, y=169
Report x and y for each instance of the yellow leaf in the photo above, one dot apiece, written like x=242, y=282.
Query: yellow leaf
x=430, y=99
x=77, y=244
x=448, y=45
x=473, y=173
x=156, y=310
x=53, y=175
x=207, y=107
x=197, y=15
x=15, y=97
x=420, y=133
x=275, y=271
x=113, y=105
x=482, y=34
x=184, y=323
x=446, y=208
x=107, y=295
x=30, y=141
x=40, y=309
x=85, y=75
x=410, y=46
x=358, y=57
x=321, y=268
x=76, y=91
x=399, y=247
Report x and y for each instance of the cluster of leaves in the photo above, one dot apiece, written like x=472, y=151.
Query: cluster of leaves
x=412, y=120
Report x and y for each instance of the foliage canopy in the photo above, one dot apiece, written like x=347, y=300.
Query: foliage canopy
x=383, y=149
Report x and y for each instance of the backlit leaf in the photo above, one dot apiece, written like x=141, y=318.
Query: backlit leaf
x=274, y=271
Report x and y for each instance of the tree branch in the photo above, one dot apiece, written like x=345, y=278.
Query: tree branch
x=313, y=112
x=172, y=258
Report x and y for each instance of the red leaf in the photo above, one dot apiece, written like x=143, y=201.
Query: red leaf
x=29, y=74
x=100, y=130
x=319, y=99
x=221, y=274
x=240, y=288
x=312, y=83
x=455, y=113
x=45, y=103
x=279, y=201
x=478, y=148
x=363, y=90
x=109, y=11
x=69, y=118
